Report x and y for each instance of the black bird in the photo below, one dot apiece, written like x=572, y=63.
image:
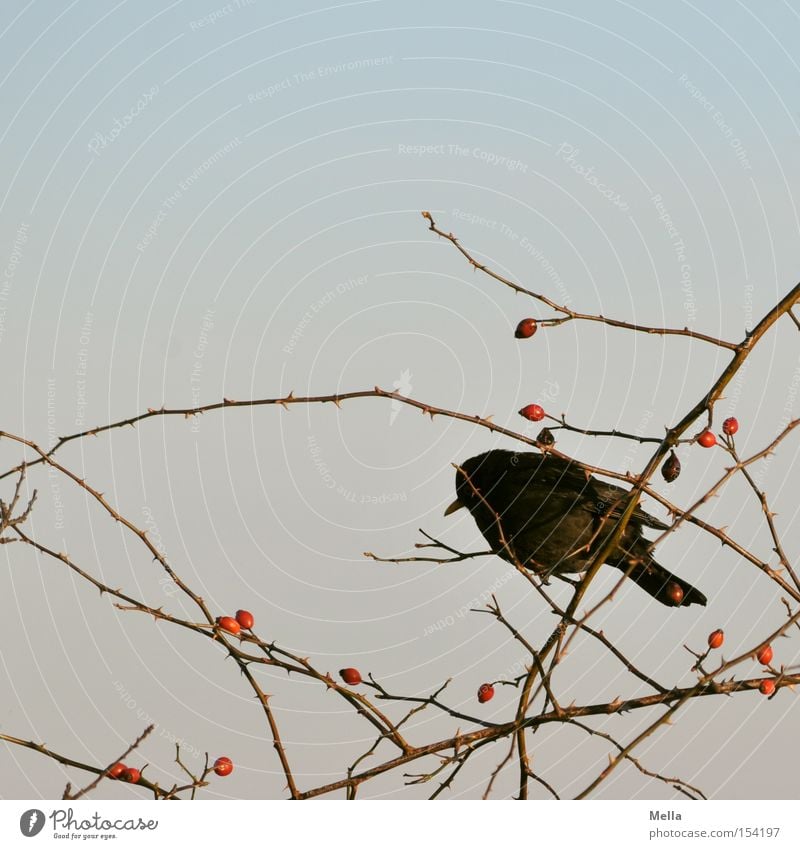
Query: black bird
x=551, y=516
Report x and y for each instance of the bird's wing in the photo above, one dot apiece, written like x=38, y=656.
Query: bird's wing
x=548, y=479
x=598, y=495
x=549, y=470
x=614, y=497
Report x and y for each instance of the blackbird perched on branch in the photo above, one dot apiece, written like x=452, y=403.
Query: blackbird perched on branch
x=551, y=516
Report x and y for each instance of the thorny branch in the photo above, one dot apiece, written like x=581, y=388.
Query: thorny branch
x=566, y=314
x=538, y=704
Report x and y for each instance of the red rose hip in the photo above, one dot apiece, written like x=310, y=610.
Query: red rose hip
x=223, y=766
x=532, y=412
x=116, y=770
x=229, y=624
x=767, y=687
x=707, y=439
x=131, y=775
x=350, y=676
x=485, y=693
x=716, y=638
x=764, y=655
x=245, y=619
x=730, y=426
x=526, y=328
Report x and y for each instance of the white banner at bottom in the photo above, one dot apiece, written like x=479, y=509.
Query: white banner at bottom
x=389, y=824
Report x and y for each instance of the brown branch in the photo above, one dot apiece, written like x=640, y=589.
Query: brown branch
x=300, y=665
x=277, y=743
x=104, y=774
x=682, y=786
x=762, y=497
x=710, y=688
x=100, y=498
x=498, y=769
x=566, y=312
x=285, y=402
x=463, y=745
x=682, y=695
x=7, y=518
x=100, y=772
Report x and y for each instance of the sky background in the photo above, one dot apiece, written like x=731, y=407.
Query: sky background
x=201, y=200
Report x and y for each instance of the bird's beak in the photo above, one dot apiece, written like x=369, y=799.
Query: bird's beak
x=456, y=505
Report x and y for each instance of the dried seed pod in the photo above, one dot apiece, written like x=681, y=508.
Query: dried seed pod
x=671, y=468
x=546, y=437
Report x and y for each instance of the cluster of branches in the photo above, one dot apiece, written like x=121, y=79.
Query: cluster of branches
x=387, y=713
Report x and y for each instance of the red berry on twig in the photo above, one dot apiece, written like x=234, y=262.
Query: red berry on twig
x=116, y=770
x=485, y=693
x=223, y=766
x=764, y=655
x=716, y=638
x=229, y=624
x=707, y=439
x=532, y=412
x=350, y=676
x=730, y=426
x=767, y=687
x=245, y=619
x=526, y=328
x=131, y=775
